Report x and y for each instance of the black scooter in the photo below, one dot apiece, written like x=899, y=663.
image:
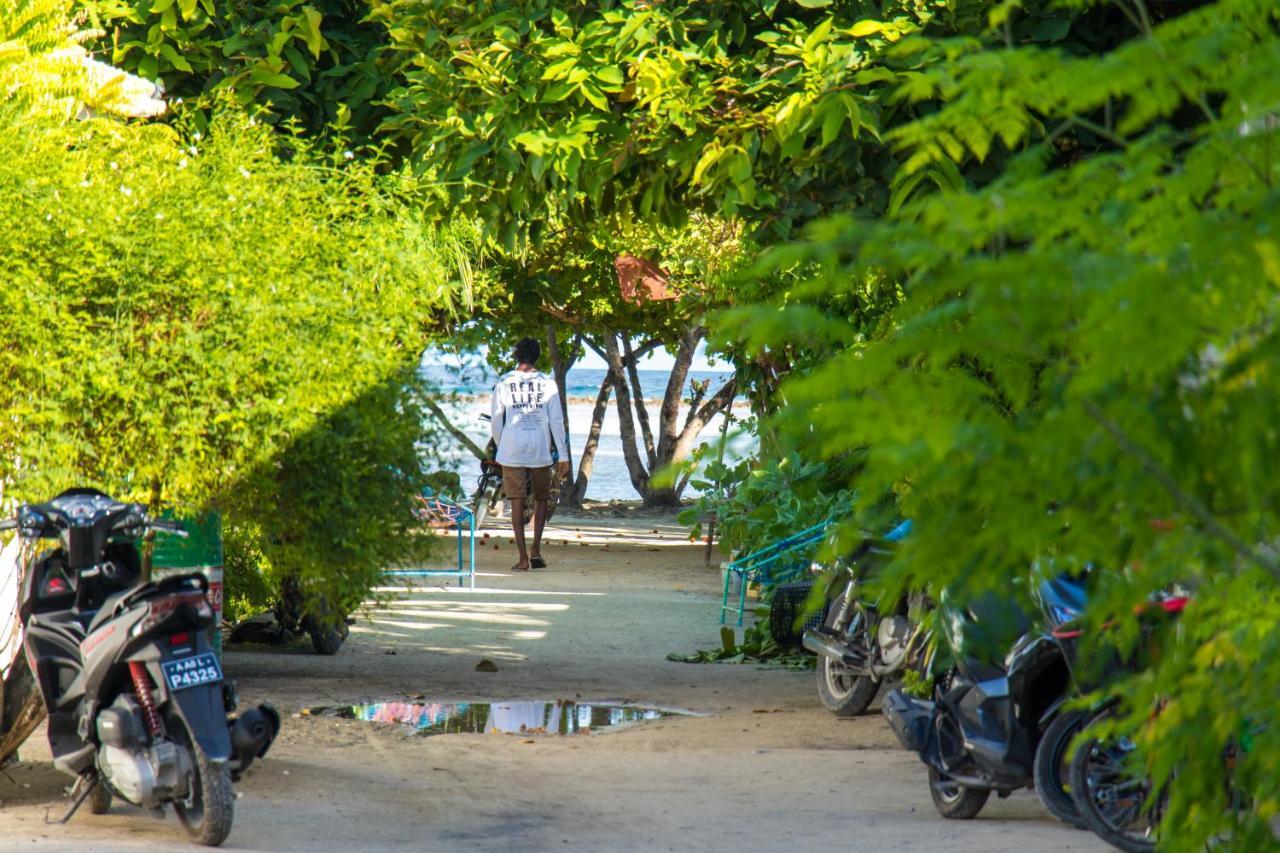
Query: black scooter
x=860, y=644
x=137, y=706
x=996, y=722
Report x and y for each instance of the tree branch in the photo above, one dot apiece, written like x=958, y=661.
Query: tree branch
x=668, y=417
x=718, y=402
x=639, y=352
x=560, y=372
x=1188, y=501
x=457, y=433
x=699, y=391
x=560, y=314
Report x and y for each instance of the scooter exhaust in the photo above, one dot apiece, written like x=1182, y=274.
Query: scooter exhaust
x=829, y=647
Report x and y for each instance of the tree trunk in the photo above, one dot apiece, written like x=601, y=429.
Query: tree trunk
x=560, y=372
x=626, y=426
x=682, y=444
x=668, y=418
x=699, y=418
x=577, y=493
x=642, y=411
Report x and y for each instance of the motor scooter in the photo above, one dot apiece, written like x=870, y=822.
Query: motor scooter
x=996, y=721
x=136, y=702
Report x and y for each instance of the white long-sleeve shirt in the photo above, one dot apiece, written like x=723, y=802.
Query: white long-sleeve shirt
x=526, y=418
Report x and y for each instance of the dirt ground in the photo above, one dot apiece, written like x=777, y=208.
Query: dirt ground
x=764, y=768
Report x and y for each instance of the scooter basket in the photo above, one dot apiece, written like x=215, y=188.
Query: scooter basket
x=788, y=604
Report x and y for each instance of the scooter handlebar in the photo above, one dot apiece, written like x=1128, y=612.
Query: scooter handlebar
x=165, y=526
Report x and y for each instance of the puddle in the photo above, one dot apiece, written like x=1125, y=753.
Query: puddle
x=552, y=718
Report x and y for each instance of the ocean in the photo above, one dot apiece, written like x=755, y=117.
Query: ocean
x=581, y=382
x=470, y=390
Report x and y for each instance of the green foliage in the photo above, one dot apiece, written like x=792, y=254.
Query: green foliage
x=758, y=502
x=757, y=646
x=535, y=112
x=313, y=61
x=246, y=588
x=336, y=508
x=211, y=303
x=38, y=67
x=1082, y=368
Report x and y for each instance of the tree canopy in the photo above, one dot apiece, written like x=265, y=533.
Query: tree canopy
x=1081, y=371
x=534, y=111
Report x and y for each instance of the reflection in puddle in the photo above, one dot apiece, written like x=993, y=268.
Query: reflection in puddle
x=560, y=717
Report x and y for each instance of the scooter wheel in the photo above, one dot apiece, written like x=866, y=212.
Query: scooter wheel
x=1111, y=797
x=208, y=814
x=844, y=694
x=953, y=800
x=1053, y=768
x=326, y=641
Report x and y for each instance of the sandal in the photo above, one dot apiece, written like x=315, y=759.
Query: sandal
x=538, y=563
x=519, y=568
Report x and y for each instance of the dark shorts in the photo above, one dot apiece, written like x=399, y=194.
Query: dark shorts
x=513, y=482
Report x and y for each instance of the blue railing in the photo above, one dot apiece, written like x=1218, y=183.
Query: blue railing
x=442, y=513
x=776, y=563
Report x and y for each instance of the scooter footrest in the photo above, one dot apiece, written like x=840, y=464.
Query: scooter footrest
x=910, y=718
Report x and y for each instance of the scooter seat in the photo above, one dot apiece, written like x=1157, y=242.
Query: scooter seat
x=94, y=619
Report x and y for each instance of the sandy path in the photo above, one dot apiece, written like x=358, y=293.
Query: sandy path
x=766, y=769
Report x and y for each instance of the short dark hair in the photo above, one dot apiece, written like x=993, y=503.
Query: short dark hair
x=527, y=351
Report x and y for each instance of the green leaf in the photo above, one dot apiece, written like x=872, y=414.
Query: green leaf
x=560, y=70
x=609, y=75
x=311, y=30
x=169, y=52
x=278, y=80
x=709, y=156
x=533, y=141
x=594, y=96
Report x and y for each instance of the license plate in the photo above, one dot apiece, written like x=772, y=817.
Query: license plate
x=192, y=671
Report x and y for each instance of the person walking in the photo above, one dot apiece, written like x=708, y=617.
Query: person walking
x=525, y=418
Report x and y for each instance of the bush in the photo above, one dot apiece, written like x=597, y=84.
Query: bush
x=190, y=318
x=337, y=506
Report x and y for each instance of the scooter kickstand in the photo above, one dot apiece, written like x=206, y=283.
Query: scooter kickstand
x=86, y=788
